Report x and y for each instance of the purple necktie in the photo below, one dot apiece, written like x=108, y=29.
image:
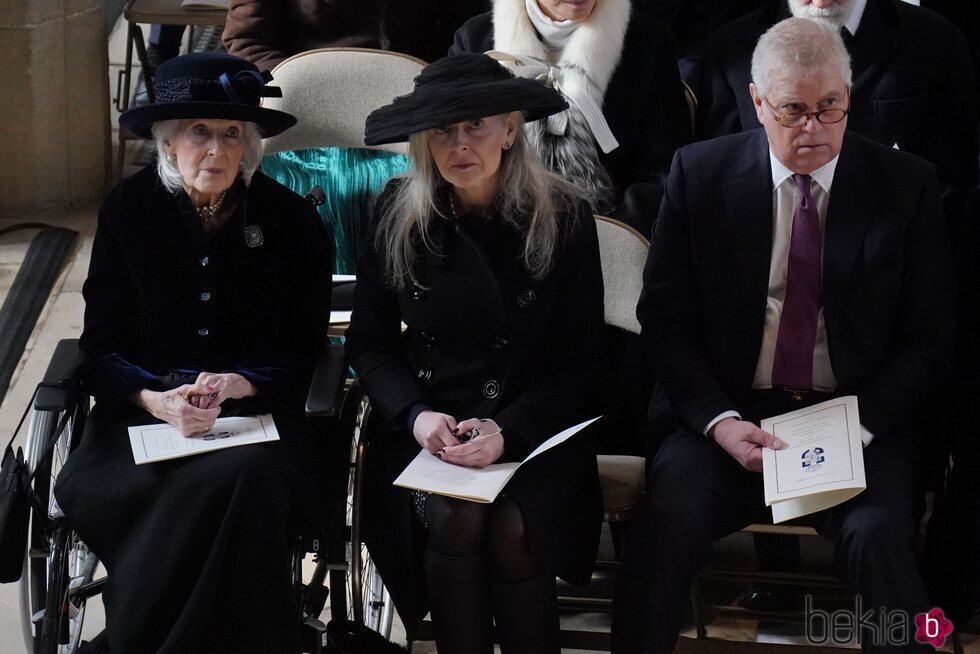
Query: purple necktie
x=792, y=365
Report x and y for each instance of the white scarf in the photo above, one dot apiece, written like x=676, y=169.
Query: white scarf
x=554, y=33
x=582, y=71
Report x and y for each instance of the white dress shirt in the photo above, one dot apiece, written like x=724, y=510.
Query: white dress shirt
x=853, y=21
x=784, y=200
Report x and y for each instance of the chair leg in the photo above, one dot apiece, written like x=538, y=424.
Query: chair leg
x=702, y=630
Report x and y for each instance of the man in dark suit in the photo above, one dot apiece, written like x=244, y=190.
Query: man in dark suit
x=789, y=265
x=914, y=86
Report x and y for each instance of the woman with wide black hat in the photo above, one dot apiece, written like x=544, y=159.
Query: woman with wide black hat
x=492, y=263
x=207, y=295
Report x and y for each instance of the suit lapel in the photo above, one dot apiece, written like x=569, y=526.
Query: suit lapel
x=748, y=212
x=849, y=213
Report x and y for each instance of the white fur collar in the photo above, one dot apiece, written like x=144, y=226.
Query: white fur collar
x=594, y=48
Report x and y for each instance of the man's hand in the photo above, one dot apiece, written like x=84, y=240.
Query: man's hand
x=173, y=408
x=744, y=441
x=434, y=431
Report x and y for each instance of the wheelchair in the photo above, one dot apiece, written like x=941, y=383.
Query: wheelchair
x=61, y=574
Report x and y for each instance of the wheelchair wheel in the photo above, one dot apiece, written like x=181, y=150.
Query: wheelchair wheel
x=368, y=601
x=59, y=568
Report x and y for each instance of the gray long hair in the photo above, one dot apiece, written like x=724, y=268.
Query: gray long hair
x=170, y=177
x=529, y=197
x=799, y=46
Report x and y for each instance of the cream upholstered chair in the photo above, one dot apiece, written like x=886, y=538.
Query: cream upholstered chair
x=623, y=253
x=331, y=91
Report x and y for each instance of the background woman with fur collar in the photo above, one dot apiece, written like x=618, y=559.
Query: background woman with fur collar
x=618, y=72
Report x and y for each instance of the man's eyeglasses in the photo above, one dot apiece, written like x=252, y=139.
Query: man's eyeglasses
x=799, y=119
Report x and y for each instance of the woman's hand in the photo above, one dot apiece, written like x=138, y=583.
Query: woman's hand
x=484, y=448
x=174, y=408
x=434, y=431
x=212, y=388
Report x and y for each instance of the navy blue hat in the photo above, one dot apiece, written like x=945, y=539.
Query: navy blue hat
x=209, y=85
x=457, y=88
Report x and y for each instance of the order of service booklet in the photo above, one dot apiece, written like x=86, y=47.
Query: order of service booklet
x=429, y=473
x=822, y=464
x=159, y=442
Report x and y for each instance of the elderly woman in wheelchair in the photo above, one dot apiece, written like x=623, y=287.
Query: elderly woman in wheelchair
x=492, y=262
x=207, y=295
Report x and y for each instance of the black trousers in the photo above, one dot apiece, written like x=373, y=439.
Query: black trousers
x=697, y=493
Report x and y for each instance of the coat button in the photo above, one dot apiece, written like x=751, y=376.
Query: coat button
x=205, y=261
x=491, y=389
x=424, y=374
x=526, y=299
x=205, y=296
x=500, y=343
x=203, y=331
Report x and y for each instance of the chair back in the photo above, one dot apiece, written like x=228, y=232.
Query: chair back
x=692, y=106
x=623, y=253
x=331, y=91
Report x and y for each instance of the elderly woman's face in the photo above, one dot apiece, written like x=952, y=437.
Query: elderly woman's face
x=468, y=154
x=567, y=9
x=208, y=153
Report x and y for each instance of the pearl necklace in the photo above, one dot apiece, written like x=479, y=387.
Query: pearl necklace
x=207, y=211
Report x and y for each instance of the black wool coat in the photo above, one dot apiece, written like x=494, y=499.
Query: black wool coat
x=644, y=107
x=485, y=339
x=161, y=298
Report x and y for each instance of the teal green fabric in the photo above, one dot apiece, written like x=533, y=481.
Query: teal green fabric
x=351, y=179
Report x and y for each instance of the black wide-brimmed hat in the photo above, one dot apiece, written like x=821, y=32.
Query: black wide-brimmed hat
x=457, y=88
x=209, y=85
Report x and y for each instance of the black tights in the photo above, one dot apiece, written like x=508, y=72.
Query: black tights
x=479, y=570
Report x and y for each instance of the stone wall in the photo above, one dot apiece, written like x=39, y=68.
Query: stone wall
x=55, y=139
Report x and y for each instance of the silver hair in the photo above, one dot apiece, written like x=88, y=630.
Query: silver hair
x=170, y=177
x=798, y=46
x=530, y=198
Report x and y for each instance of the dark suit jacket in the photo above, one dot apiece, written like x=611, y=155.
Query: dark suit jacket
x=644, y=107
x=888, y=286
x=913, y=85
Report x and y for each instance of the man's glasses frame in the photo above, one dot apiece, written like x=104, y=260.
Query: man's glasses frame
x=801, y=118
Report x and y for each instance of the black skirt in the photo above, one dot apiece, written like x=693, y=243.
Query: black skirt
x=196, y=549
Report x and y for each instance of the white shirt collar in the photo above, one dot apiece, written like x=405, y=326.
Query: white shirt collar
x=824, y=175
x=853, y=21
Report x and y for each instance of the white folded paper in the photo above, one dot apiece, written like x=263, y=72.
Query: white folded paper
x=159, y=442
x=429, y=473
x=822, y=464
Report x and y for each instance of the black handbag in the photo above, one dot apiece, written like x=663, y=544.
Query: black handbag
x=16, y=498
x=15, y=513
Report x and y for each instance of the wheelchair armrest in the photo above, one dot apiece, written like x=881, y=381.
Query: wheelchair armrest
x=324, y=397
x=55, y=391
